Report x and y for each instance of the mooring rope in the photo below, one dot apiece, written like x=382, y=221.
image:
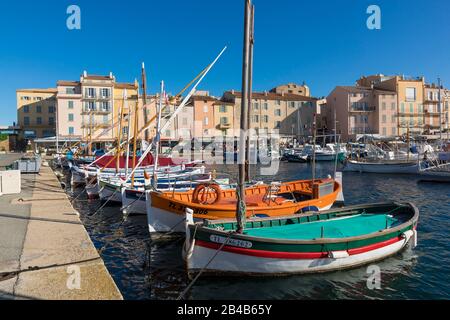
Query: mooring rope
x=181, y=296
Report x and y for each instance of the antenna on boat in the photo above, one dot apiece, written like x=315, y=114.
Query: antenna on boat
x=243, y=137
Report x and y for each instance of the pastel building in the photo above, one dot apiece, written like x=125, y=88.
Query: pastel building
x=36, y=112
x=362, y=110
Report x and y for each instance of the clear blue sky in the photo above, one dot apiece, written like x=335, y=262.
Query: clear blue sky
x=325, y=43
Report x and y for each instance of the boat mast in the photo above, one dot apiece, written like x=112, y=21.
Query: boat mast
x=144, y=92
x=440, y=110
x=250, y=93
x=119, y=135
x=127, y=165
x=240, y=191
x=158, y=136
x=136, y=117
x=314, y=149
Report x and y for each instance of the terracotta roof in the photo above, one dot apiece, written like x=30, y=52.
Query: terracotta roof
x=67, y=83
x=203, y=98
x=49, y=90
x=274, y=96
x=96, y=77
x=357, y=89
x=124, y=85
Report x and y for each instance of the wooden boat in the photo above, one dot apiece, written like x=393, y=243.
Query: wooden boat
x=165, y=210
x=110, y=189
x=297, y=244
x=382, y=166
x=437, y=173
x=134, y=199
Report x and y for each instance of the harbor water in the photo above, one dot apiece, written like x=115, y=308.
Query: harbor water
x=154, y=269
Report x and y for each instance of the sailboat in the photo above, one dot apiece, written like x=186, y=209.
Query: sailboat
x=300, y=242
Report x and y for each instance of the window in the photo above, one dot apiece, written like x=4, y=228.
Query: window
x=90, y=106
x=393, y=119
x=38, y=109
x=384, y=131
x=105, y=106
x=51, y=121
x=224, y=120
x=51, y=109
x=384, y=119
x=255, y=118
x=420, y=108
x=411, y=108
x=223, y=109
x=39, y=120
x=277, y=124
x=410, y=94
x=265, y=119
x=26, y=98
x=104, y=92
x=125, y=130
x=256, y=106
x=383, y=106
x=394, y=131
x=26, y=121
x=206, y=121
x=402, y=107
x=91, y=92
x=292, y=104
x=266, y=106
x=393, y=106
x=70, y=105
x=205, y=108
x=70, y=117
x=278, y=112
x=26, y=109
x=37, y=98
x=71, y=130
x=105, y=119
x=70, y=90
x=278, y=103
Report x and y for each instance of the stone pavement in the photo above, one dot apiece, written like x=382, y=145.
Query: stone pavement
x=45, y=251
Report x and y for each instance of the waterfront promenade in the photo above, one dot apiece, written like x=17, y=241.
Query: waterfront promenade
x=46, y=253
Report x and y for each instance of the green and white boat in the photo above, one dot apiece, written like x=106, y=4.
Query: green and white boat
x=305, y=243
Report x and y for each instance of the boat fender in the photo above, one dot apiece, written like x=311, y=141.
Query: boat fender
x=203, y=187
x=338, y=254
x=188, y=247
x=309, y=209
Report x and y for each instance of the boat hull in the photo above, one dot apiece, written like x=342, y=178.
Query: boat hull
x=260, y=265
x=367, y=167
x=265, y=249
x=164, y=212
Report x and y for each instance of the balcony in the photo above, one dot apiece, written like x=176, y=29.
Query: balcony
x=96, y=97
x=362, y=109
x=224, y=126
x=95, y=124
x=87, y=111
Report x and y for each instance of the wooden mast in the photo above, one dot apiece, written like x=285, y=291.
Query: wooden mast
x=119, y=136
x=144, y=92
x=250, y=94
x=136, y=109
x=240, y=190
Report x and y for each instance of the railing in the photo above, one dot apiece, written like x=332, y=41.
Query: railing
x=362, y=109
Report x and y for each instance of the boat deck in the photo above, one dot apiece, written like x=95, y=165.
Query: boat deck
x=358, y=225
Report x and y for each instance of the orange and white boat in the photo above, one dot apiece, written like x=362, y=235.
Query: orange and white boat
x=166, y=210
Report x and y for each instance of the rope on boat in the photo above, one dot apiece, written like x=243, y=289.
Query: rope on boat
x=204, y=268
x=134, y=201
x=104, y=205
